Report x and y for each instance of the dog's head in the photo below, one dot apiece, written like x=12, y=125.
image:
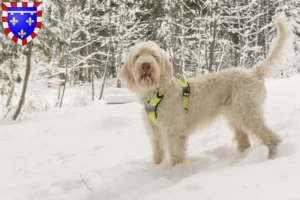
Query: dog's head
x=147, y=67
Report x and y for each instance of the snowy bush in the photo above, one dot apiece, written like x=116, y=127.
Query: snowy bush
x=82, y=98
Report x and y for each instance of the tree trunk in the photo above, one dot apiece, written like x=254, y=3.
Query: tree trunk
x=205, y=46
x=26, y=78
x=104, y=75
x=239, y=53
x=12, y=82
x=118, y=83
x=199, y=67
x=11, y=93
x=213, y=32
x=257, y=42
x=113, y=67
x=266, y=30
x=121, y=19
x=93, y=83
x=93, y=68
x=182, y=39
x=58, y=95
x=67, y=63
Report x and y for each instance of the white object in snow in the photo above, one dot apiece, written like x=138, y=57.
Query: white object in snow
x=119, y=98
x=118, y=95
x=116, y=91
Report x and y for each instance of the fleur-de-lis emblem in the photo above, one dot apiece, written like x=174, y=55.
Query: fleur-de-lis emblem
x=29, y=21
x=21, y=20
x=22, y=33
x=14, y=21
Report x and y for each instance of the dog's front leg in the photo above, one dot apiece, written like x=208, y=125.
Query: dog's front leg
x=157, y=146
x=156, y=140
x=177, y=144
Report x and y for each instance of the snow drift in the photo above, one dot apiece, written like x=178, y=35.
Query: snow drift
x=106, y=145
x=118, y=95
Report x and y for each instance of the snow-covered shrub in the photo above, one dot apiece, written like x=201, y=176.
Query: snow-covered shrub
x=82, y=98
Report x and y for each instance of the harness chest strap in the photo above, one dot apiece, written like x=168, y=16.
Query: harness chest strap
x=151, y=106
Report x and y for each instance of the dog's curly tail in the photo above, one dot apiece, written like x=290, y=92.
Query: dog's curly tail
x=278, y=54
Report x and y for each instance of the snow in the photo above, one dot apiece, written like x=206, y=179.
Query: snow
x=119, y=98
x=44, y=157
x=119, y=95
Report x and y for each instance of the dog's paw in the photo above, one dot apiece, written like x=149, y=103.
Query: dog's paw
x=273, y=152
x=273, y=148
x=157, y=159
x=176, y=160
x=272, y=155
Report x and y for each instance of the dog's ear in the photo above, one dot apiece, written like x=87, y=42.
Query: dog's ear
x=126, y=76
x=167, y=69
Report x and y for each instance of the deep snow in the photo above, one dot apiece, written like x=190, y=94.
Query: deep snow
x=45, y=157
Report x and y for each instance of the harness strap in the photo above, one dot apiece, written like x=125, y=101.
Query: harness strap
x=185, y=91
x=151, y=106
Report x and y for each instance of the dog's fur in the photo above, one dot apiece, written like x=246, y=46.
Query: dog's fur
x=237, y=94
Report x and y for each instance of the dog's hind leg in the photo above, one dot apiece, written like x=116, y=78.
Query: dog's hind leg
x=241, y=137
x=267, y=136
x=253, y=121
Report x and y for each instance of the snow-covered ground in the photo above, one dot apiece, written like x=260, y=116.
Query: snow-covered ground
x=47, y=157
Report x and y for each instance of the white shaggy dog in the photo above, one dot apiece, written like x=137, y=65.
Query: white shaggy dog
x=237, y=94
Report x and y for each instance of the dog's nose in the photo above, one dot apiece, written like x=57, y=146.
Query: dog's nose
x=146, y=66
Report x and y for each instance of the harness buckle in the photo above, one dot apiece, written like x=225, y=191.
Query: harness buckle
x=149, y=108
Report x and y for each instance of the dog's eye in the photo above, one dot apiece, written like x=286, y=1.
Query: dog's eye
x=154, y=55
x=137, y=56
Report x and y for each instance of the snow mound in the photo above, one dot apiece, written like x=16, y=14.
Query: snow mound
x=116, y=91
x=118, y=96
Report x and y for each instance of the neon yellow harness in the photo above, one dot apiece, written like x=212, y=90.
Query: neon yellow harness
x=151, y=106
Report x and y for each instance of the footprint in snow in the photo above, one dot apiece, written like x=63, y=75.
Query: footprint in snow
x=285, y=149
x=259, y=153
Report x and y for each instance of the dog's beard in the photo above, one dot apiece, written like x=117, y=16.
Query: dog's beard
x=146, y=80
x=145, y=77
